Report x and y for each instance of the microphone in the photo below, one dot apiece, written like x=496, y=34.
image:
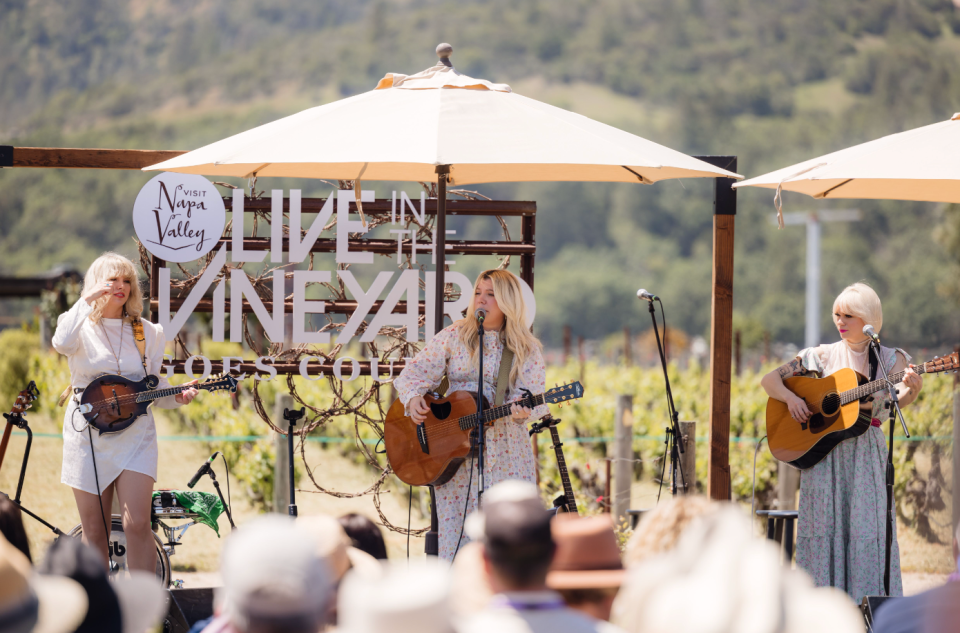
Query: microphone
x=643, y=294
x=868, y=330
x=203, y=471
x=481, y=314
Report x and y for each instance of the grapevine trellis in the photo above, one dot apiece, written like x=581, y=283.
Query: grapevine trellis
x=391, y=342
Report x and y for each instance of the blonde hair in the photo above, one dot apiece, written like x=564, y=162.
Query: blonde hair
x=114, y=265
x=861, y=301
x=660, y=529
x=514, y=334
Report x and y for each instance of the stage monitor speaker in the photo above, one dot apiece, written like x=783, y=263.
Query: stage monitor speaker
x=869, y=606
x=186, y=607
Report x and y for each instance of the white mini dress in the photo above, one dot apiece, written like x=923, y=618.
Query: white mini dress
x=87, y=346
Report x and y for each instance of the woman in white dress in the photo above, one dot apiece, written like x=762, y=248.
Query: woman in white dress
x=96, y=336
x=841, y=532
x=453, y=352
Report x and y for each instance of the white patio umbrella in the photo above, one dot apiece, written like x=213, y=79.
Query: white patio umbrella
x=409, y=125
x=921, y=164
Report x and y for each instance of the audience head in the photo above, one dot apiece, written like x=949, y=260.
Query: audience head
x=11, y=526
x=660, y=528
x=131, y=605
x=364, y=534
x=32, y=602
x=586, y=570
x=515, y=530
x=720, y=578
x=408, y=597
x=470, y=586
x=273, y=579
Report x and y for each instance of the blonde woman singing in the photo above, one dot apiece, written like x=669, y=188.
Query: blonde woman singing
x=841, y=534
x=96, y=336
x=453, y=352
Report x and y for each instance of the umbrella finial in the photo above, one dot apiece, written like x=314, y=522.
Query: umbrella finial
x=443, y=52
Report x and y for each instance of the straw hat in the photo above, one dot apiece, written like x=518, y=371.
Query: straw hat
x=334, y=547
x=588, y=556
x=32, y=602
x=408, y=597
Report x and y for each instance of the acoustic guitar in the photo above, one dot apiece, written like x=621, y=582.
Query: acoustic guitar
x=564, y=502
x=23, y=402
x=835, y=404
x=430, y=453
x=112, y=403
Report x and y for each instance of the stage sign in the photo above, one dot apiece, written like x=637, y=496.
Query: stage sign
x=179, y=217
x=391, y=299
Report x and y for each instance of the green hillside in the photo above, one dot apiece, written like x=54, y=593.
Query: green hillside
x=773, y=82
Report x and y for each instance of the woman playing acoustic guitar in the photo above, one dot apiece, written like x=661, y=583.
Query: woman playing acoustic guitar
x=842, y=527
x=453, y=352
x=97, y=338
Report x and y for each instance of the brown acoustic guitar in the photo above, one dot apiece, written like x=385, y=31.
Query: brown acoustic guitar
x=430, y=453
x=835, y=404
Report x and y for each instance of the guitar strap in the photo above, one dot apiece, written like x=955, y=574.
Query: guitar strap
x=503, y=378
x=137, y=326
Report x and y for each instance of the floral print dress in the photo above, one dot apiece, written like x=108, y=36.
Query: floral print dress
x=509, y=454
x=841, y=532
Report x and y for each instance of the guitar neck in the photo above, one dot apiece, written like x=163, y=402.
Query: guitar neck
x=148, y=396
x=495, y=413
x=562, y=467
x=874, y=386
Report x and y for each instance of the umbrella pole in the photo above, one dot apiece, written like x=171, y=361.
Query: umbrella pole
x=431, y=547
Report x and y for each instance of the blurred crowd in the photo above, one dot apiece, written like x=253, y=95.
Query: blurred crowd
x=691, y=565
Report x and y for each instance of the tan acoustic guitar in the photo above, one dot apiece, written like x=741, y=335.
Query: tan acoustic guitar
x=835, y=403
x=430, y=453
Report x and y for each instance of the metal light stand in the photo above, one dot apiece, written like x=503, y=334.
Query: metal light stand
x=893, y=406
x=18, y=420
x=292, y=416
x=673, y=441
x=481, y=444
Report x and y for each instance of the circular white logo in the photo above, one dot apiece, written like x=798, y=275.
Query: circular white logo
x=179, y=217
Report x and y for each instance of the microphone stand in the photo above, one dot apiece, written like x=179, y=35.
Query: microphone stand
x=673, y=441
x=893, y=406
x=481, y=440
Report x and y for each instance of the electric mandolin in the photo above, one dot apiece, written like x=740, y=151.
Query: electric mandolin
x=112, y=403
x=835, y=404
x=430, y=453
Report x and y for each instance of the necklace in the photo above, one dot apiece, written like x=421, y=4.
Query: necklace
x=116, y=355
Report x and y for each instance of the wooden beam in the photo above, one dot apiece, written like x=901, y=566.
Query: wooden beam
x=389, y=247
x=78, y=158
x=385, y=206
x=721, y=330
x=313, y=368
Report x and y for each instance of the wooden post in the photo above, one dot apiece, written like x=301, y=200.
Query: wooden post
x=956, y=444
x=606, y=487
x=566, y=344
x=623, y=454
x=583, y=359
x=281, y=465
x=627, y=348
x=688, y=459
x=721, y=331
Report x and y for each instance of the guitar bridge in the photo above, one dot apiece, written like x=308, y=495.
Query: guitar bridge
x=422, y=438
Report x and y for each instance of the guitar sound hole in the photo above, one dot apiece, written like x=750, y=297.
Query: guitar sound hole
x=830, y=404
x=441, y=410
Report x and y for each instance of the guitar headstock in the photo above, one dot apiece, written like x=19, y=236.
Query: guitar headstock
x=220, y=382
x=950, y=362
x=563, y=393
x=25, y=399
